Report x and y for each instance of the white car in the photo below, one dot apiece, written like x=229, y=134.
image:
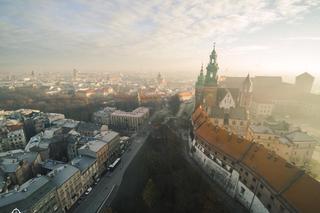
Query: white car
x=88, y=191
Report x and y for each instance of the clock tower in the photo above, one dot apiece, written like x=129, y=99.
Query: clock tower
x=210, y=88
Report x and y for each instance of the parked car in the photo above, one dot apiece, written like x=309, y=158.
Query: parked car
x=88, y=191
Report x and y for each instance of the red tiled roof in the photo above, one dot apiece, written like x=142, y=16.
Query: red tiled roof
x=299, y=190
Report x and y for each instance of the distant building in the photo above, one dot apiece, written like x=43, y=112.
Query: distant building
x=67, y=180
x=261, y=108
x=161, y=81
x=185, y=96
x=295, y=146
x=12, y=135
x=304, y=82
x=36, y=195
x=102, y=117
x=88, y=129
x=129, y=120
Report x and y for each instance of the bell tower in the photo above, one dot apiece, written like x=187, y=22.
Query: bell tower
x=210, y=88
x=199, y=88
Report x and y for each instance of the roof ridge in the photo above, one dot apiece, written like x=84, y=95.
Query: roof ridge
x=298, y=175
x=246, y=152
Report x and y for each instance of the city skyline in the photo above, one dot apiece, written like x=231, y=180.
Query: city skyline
x=256, y=37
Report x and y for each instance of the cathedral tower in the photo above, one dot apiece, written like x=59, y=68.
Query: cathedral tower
x=199, y=89
x=246, y=93
x=210, y=83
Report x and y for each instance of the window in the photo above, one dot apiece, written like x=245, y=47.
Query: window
x=259, y=195
x=241, y=123
x=224, y=158
x=241, y=169
x=254, y=180
x=242, y=190
x=246, y=173
x=269, y=207
x=252, y=187
x=258, y=137
x=261, y=186
x=271, y=197
x=245, y=181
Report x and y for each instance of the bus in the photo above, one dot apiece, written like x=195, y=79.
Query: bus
x=114, y=164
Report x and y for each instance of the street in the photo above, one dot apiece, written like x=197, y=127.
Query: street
x=102, y=194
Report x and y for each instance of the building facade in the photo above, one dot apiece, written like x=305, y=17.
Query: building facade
x=88, y=169
x=67, y=180
x=261, y=108
x=250, y=173
x=12, y=135
x=129, y=120
x=294, y=146
x=96, y=149
x=36, y=195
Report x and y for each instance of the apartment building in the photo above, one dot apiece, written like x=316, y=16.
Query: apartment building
x=67, y=180
x=88, y=167
x=36, y=195
x=96, y=149
x=112, y=139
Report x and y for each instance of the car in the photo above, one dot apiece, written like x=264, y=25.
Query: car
x=88, y=191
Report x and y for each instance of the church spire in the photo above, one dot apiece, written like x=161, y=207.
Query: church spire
x=212, y=68
x=247, y=84
x=200, y=80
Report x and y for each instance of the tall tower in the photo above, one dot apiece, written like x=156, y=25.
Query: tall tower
x=199, y=88
x=246, y=92
x=32, y=75
x=210, y=88
x=75, y=74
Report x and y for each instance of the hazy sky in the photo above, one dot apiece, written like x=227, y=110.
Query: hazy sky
x=260, y=37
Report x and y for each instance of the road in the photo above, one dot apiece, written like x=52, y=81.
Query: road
x=105, y=190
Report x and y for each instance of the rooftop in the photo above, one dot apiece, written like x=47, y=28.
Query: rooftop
x=61, y=174
x=298, y=136
x=298, y=189
x=10, y=160
x=87, y=126
x=51, y=164
x=83, y=162
x=94, y=146
x=107, y=136
x=140, y=111
x=26, y=195
x=261, y=129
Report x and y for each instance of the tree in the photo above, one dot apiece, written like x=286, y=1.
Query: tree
x=150, y=193
x=174, y=103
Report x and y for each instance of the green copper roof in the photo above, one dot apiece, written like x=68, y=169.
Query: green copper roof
x=200, y=81
x=212, y=69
